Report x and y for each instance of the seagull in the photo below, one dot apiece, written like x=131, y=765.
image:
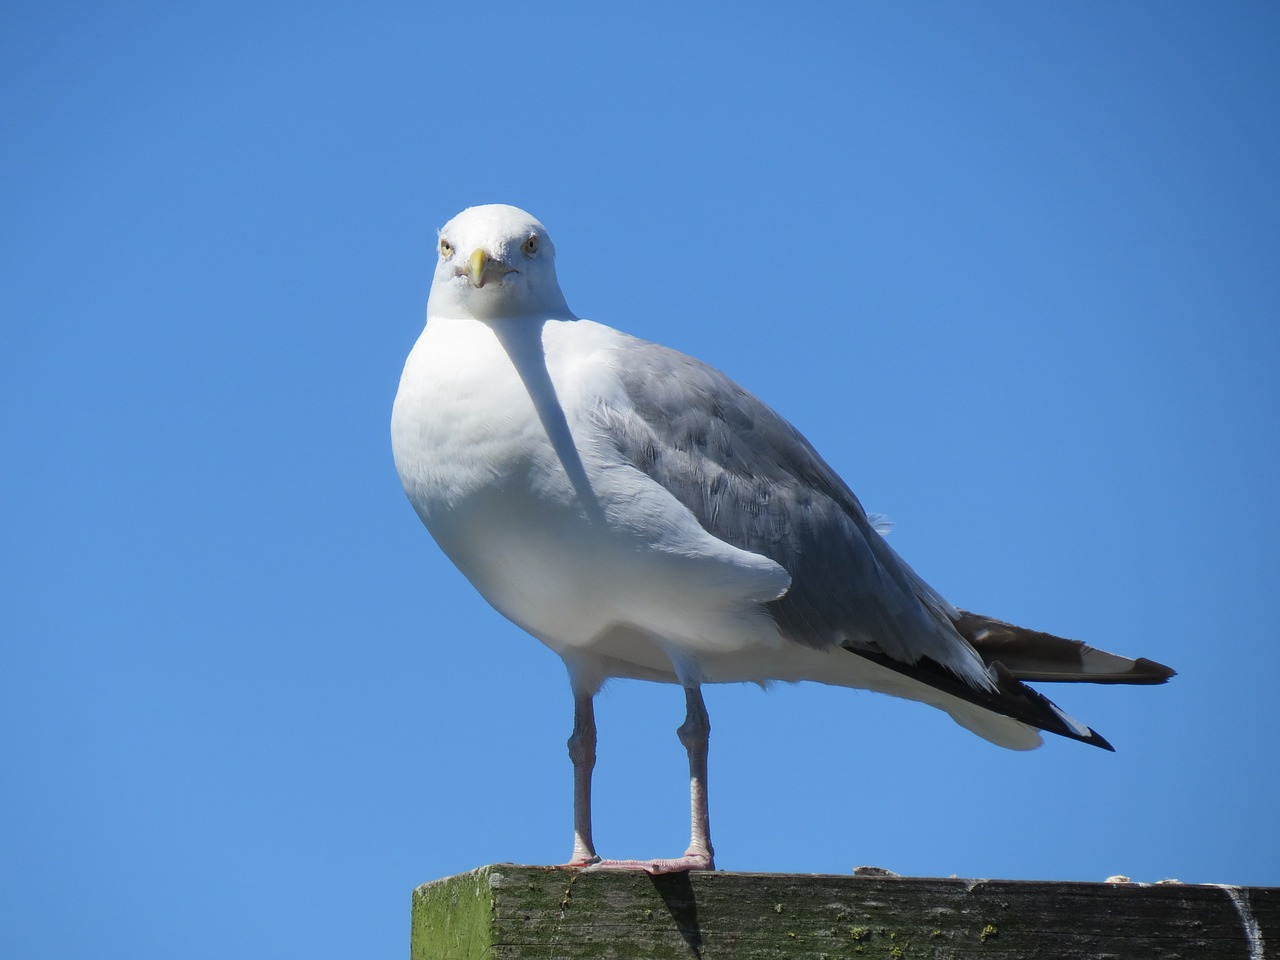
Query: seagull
x=645, y=517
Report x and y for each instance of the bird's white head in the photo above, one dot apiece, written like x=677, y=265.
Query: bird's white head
x=496, y=261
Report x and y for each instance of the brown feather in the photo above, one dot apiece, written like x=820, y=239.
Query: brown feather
x=1033, y=655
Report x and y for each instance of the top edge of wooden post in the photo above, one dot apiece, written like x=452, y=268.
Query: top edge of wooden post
x=518, y=912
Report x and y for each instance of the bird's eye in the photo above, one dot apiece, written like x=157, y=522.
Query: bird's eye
x=530, y=246
x=446, y=248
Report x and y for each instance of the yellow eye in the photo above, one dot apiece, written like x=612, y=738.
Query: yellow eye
x=530, y=246
x=446, y=248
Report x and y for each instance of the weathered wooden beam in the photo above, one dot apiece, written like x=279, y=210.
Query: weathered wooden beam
x=509, y=912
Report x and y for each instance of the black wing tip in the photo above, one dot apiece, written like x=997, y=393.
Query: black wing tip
x=1094, y=739
x=1017, y=700
x=1011, y=697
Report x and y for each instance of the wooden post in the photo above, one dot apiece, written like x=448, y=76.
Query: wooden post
x=509, y=912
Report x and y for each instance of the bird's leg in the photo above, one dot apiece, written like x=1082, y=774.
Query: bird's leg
x=582, y=751
x=694, y=733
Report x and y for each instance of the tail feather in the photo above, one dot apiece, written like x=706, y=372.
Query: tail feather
x=1032, y=655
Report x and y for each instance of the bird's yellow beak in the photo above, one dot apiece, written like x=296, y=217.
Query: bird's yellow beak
x=476, y=266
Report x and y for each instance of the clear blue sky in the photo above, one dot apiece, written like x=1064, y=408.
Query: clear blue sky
x=1014, y=269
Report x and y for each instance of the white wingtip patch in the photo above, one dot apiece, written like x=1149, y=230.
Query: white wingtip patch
x=1076, y=726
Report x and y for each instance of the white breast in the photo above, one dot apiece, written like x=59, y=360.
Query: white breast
x=575, y=560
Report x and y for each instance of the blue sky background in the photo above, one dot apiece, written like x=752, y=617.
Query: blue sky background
x=1014, y=269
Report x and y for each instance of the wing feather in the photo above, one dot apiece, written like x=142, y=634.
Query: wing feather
x=752, y=480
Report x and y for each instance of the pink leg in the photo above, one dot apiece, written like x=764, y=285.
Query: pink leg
x=694, y=733
x=582, y=751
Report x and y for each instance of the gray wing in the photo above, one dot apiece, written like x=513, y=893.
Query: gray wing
x=753, y=481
